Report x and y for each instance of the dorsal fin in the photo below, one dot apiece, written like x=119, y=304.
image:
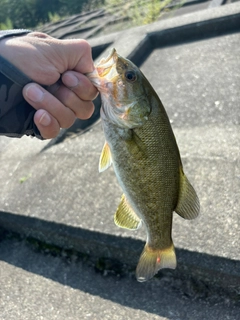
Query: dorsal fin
x=105, y=160
x=125, y=217
x=188, y=206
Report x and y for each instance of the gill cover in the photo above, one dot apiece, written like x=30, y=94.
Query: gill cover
x=124, y=100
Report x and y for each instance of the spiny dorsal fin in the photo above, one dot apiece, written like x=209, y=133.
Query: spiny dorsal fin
x=105, y=158
x=188, y=206
x=125, y=217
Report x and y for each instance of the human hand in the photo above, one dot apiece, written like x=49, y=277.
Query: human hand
x=60, y=65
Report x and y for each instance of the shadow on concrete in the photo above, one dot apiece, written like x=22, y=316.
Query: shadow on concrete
x=198, y=274
x=166, y=297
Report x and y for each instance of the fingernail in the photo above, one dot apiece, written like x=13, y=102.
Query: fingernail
x=45, y=119
x=71, y=81
x=34, y=93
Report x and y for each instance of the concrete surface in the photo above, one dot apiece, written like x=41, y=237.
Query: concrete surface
x=47, y=288
x=53, y=193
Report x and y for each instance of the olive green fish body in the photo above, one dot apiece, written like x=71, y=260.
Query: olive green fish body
x=147, y=167
x=142, y=148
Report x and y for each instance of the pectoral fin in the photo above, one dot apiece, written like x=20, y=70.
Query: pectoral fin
x=105, y=158
x=125, y=217
x=188, y=204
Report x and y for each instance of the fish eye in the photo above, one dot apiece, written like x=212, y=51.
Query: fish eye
x=130, y=76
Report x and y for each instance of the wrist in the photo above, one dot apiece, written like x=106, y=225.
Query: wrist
x=7, y=65
x=6, y=35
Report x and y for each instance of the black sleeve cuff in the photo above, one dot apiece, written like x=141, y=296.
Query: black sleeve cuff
x=12, y=33
x=16, y=115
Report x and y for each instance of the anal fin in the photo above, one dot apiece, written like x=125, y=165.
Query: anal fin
x=125, y=217
x=188, y=206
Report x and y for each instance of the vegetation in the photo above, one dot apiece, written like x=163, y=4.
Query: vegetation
x=139, y=11
x=7, y=25
x=32, y=13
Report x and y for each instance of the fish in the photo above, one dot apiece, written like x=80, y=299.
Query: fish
x=141, y=146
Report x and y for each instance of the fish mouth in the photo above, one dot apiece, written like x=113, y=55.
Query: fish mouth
x=105, y=65
x=105, y=72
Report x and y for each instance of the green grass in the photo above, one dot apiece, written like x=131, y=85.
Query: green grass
x=7, y=25
x=140, y=12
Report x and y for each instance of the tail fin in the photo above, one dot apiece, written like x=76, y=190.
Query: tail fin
x=151, y=261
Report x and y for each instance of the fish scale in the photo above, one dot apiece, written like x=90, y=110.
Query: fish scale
x=142, y=148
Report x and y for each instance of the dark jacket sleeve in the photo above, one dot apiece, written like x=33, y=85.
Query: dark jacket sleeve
x=16, y=115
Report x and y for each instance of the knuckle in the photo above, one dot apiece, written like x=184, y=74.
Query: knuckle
x=68, y=121
x=49, y=135
x=85, y=111
x=49, y=132
x=82, y=46
x=38, y=34
x=85, y=45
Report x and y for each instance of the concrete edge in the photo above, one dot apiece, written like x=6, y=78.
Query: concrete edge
x=214, y=271
x=214, y=21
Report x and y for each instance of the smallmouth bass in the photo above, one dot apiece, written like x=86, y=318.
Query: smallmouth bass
x=141, y=146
